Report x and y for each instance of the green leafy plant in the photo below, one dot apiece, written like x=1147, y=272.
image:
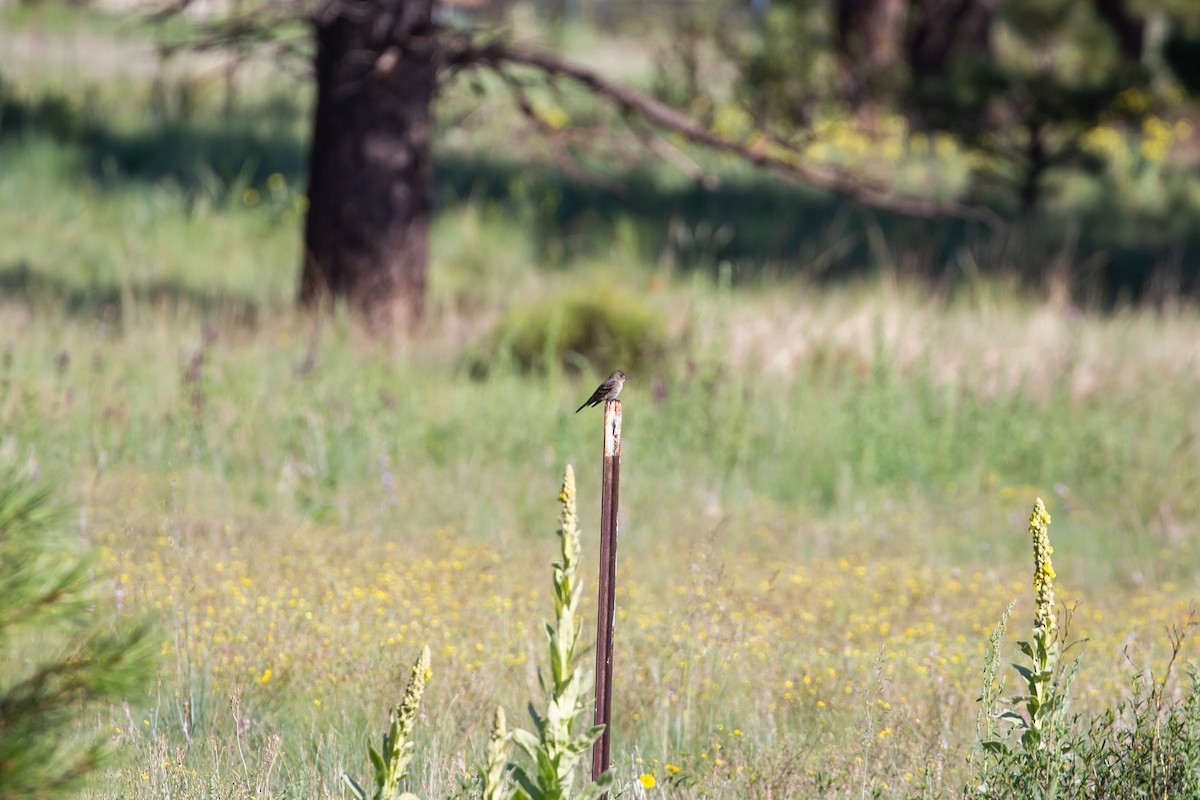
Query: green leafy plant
x=47, y=606
x=1036, y=762
x=1144, y=746
x=1042, y=699
x=556, y=747
x=391, y=762
x=1147, y=746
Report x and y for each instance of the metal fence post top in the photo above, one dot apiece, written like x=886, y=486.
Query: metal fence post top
x=612, y=429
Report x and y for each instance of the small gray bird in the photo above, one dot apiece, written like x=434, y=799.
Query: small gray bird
x=605, y=391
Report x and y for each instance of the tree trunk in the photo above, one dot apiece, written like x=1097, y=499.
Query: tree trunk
x=942, y=27
x=869, y=36
x=1036, y=163
x=370, y=184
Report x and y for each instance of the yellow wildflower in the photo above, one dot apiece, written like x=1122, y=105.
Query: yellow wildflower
x=1043, y=571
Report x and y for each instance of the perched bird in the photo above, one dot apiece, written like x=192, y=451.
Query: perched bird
x=605, y=391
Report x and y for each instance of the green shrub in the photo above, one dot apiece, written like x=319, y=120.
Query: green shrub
x=597, y=325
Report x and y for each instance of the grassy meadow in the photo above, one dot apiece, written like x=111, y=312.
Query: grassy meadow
x=825, y=488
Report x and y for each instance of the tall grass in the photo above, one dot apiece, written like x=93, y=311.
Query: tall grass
x=784, y=526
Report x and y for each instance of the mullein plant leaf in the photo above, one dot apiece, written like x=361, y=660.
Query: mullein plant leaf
x=358, y=791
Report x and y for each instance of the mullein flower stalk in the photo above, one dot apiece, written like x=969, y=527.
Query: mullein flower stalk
x=391, y=763
x=564, y=635
x=554, y=752
x=1043, y=650
x=1038, y=767
x=1043, y=697
x=495, y=781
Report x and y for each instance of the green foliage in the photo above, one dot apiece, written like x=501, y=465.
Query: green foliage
x=72, y=657
x=556, y=748
x=787, y=71
x=1147, y=746
x=1036, y=762
x=1026, y=104
x=391, y=762
x=1019, y=84
x=596, y=325
x=555, y=751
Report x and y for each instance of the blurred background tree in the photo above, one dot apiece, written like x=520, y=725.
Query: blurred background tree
x=378, y=68
x=1019, y=83
x=1012, y=98
x=1027, y=82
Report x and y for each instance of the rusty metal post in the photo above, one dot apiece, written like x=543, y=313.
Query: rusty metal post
x=606, y=610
